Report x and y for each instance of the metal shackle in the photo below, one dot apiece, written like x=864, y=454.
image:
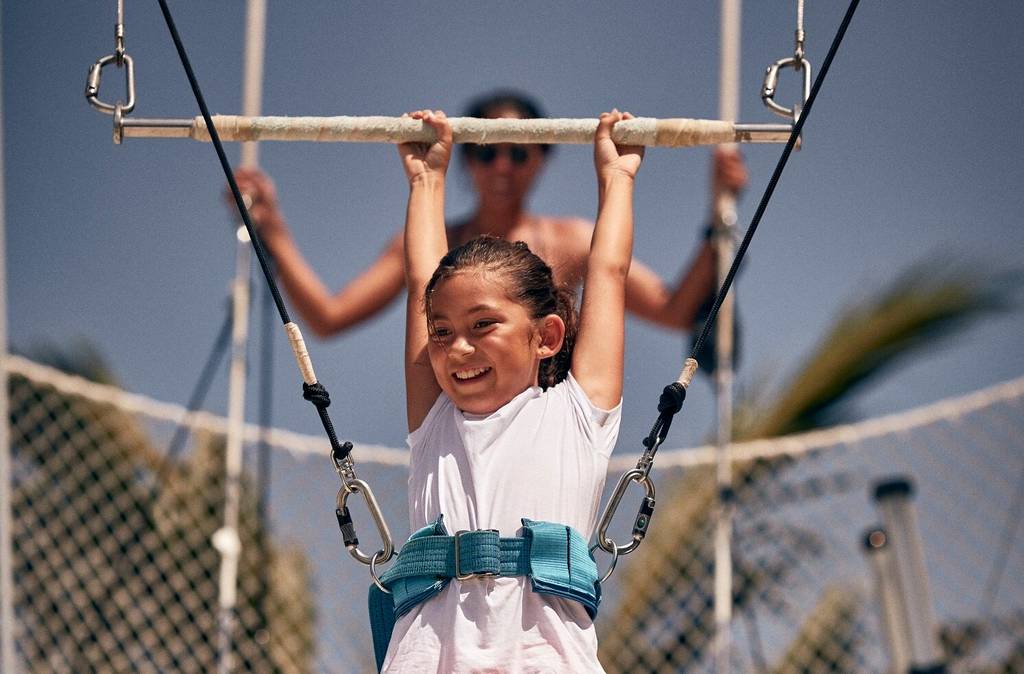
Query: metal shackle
x=92, y=84
x=771, y=81
x=643, y=517
x=357, y=486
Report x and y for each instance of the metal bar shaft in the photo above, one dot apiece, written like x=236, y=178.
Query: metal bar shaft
x=650, y=132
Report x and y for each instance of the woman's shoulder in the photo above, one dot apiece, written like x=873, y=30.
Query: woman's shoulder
x=569, y=225
x=566, y=243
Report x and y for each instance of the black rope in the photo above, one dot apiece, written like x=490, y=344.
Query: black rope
x=674, y=394
x=770, y=190
x=315, y=393
x=225, y=165
x=195, y=401
x=202, y=386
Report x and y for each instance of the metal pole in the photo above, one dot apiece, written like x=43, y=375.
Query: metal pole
x=252, y=78
x=724, y=240
x=891, y=611
x=227, y=540
x=894, y=499
x=7, y=655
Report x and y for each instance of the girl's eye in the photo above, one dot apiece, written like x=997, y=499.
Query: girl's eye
x=484, y=323
x=441, y=333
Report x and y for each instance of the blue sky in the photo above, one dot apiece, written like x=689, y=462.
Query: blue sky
x=914, y=149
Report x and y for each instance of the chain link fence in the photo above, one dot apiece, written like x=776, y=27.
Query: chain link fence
x=114, y=570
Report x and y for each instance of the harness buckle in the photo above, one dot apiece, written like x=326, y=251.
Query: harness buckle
x=458, y=557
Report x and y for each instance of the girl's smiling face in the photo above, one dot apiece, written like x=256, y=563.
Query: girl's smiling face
x=486, y=348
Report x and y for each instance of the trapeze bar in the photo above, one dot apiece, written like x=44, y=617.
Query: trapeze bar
x=641, y=131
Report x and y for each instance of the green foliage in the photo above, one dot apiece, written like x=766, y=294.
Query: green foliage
x=113, y=564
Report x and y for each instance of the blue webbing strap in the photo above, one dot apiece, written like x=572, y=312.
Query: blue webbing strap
x=554, y=556
x=561, y=564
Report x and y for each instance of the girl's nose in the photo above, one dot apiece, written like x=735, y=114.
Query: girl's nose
x=460, y=346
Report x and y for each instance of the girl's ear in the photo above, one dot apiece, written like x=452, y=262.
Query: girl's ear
x=551, y=330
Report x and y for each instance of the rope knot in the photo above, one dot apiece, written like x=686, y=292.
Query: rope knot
x=316, y=394
x=671, y=400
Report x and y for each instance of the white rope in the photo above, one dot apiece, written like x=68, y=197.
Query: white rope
x=298, y=444
x=295, y=443
x=641, y=131
x=950, y=409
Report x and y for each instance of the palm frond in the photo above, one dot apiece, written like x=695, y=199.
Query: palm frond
x=925, y=304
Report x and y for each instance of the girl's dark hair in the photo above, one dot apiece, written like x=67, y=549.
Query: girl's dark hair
x=528, y=281
x=487, y=104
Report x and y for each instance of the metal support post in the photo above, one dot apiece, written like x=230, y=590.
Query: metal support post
x=227, y=539
x=724, y=241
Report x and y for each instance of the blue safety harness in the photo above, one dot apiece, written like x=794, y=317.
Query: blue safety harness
x=554, y=556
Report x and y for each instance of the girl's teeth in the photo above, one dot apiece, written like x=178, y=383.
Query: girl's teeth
x=469, y=374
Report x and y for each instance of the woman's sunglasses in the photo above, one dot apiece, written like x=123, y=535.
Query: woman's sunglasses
x=486, y=154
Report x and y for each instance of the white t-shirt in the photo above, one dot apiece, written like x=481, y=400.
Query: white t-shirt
x=543, y=456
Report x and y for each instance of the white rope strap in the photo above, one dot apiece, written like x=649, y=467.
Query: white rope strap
x=290, y=441
x=798, y=444
x=641, y=131
x=948, y=410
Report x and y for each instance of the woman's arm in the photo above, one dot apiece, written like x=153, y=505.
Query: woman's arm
x=425, y=244
x=600, y=343
x=647, y=295
x=324, y=312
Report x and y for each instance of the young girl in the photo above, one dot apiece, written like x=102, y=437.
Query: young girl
x=513, y=407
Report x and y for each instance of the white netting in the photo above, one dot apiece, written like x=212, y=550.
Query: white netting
x=114, y=570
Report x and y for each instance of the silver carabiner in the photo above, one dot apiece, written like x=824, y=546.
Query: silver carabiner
x=92, y=84
x=643, y=515
x=611, y=567
x=373, y=572
x=357, y=486
x=771, y=81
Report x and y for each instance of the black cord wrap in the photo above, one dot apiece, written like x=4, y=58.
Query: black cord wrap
x=316, y=394
x=669, y=404
x=672, y=398
x=321, y=399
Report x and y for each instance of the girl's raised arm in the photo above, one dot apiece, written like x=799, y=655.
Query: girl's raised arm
x=425, y=244
x=600, y=344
